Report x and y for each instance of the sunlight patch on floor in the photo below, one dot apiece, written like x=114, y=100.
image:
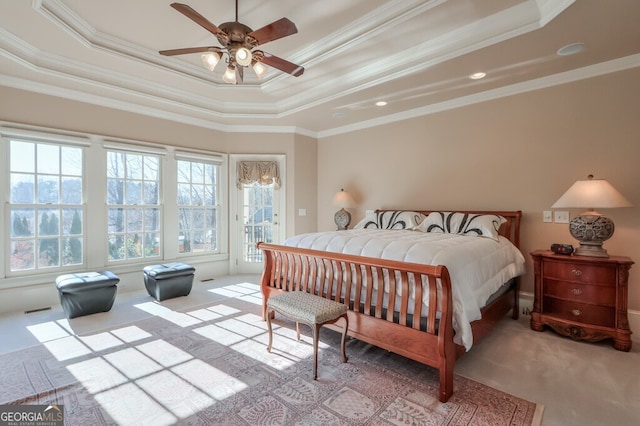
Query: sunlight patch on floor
x=178, y=318
x=132, y=363
x=130, y=334
x=67, y=348
x=96, y=374
x=128, y=404
x=47, y=331
x=100, y=341
x=175, y=394
x=210, y=380
x=164, y=353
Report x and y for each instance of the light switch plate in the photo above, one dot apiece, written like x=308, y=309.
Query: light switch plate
x=546, y=216
x=561, y=217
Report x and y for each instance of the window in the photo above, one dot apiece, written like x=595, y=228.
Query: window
x=45, y=205
x=74, y=202
x=198, y=189
x=133, y=206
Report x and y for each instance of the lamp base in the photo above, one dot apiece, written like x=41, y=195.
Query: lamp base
x=591, y=230
x=342, y=218
x=591, y=250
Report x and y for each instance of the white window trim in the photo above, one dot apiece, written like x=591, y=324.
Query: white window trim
x=94, y=197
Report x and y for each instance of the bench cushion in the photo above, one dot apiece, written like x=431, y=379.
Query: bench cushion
x=168, y=270
x=73, y=283
x=307, y=307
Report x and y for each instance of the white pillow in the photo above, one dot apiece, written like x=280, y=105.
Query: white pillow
x=391, y=219
x=481, y=225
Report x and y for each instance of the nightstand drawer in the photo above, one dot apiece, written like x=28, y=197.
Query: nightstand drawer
x=594, y=294
x=579, y=312
x=581, y=272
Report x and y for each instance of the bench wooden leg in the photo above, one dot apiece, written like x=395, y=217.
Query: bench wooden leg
x=344, y=338
x=316, y=335
x=270, y=315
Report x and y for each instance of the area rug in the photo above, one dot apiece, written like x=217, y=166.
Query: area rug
x=209, y=366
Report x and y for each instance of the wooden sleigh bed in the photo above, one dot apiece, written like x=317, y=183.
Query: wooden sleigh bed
x=397, y=322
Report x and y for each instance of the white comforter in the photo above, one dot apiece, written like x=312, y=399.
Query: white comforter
x=478, y=266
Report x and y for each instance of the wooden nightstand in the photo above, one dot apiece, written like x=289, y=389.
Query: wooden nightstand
x=581, y=297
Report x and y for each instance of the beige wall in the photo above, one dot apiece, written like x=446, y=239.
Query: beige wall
x=516, y=153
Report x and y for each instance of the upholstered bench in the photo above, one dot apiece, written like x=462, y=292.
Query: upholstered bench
x=87, y=293
x=168, y=280
x=315, y=311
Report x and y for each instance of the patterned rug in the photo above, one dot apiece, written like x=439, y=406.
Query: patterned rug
x=210, y=366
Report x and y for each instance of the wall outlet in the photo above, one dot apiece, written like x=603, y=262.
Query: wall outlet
x=561, y=217
x=546, y=216
x=302, y=212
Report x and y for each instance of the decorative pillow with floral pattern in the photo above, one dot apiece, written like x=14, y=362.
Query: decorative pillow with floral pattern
x=391, y=219
x=481, y=225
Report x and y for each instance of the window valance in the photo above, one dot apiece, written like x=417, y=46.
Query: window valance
x=263, y=172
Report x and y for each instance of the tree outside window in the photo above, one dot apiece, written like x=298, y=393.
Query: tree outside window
x=133, y=212
x=46, y=207
x=197, y=207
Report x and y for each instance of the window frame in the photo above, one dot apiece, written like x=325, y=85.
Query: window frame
x=41, y=139
x=95, y=243
x=130, y=207
x=217, y=205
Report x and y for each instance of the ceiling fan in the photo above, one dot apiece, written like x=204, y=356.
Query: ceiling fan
x=238, y=41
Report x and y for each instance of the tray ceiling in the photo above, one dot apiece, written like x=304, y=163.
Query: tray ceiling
x=414, y=54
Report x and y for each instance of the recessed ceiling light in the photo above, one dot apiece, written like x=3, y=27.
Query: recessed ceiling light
x=381, y=103
x=571, y=49
x=339, y=115
x=478, y=75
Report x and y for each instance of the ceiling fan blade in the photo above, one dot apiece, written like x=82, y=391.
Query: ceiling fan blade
x=282, y=65
x=173, y=52
x=196, y=17
x=275, y=30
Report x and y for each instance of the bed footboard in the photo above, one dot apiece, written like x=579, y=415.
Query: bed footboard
x=379, y=294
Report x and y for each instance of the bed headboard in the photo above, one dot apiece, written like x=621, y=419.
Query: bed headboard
x=510, y=229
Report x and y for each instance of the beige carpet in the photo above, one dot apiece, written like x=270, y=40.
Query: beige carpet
x=209, y=366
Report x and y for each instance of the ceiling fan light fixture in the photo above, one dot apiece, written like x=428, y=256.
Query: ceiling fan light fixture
x=230, y=75
x=210, y=60
x=244, y=56
x=260, y=69
x=238, y=41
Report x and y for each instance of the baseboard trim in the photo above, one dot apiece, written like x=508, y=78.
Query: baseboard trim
x=526, y=303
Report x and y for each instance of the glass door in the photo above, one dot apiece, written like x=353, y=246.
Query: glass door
x=259, y=222
x=258, y=218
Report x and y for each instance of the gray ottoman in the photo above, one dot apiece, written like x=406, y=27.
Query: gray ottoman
x=87, y=293
x=168, y=280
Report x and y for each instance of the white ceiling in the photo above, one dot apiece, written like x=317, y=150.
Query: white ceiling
x=414, y=54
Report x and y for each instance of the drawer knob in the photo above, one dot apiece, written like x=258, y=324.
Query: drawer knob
x=576, y=312
x=576, y=272
x=576, y=291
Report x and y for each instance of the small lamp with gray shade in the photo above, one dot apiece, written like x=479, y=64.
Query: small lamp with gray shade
x=342, y=217
x=591, y=228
